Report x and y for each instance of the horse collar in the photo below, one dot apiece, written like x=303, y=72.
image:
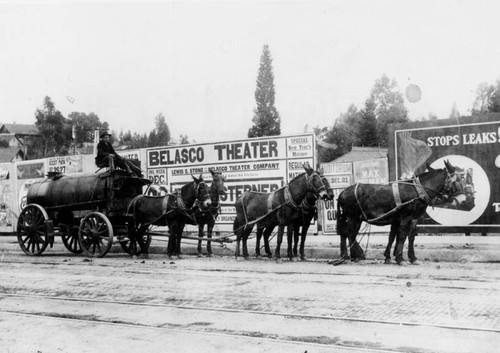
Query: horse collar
x=421, y=190
x=289, y=198
x=180, y=202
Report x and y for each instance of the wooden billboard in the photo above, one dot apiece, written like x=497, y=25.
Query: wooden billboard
x=472, y=144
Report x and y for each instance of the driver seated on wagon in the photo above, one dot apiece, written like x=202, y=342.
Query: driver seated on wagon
x=106, y=153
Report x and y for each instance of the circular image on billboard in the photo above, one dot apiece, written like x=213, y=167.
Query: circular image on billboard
x=469, y=203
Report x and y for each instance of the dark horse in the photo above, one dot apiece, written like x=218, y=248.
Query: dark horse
x=265, y=208
x=208, y=214
x=399, y=204
x=300, y=216
x=303, y=217
x=174, y=210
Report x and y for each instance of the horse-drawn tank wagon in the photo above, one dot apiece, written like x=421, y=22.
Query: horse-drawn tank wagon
x=86, y=211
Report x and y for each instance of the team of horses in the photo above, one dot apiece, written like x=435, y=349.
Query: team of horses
x=399, y=204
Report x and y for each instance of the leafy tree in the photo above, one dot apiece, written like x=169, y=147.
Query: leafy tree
x=183, y=139
x=390, y=106
x=54, y=129
x=266, y=119
x=324, y=147
x=343, y=135
x=128, y=140
x=368, y=125
x=487, y=99
x=84, y=126
x=160, y=136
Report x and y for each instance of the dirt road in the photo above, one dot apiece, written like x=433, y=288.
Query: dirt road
x=66, y=303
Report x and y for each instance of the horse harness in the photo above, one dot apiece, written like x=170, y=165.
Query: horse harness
x=288, y=201
x=419, y=188
x=178, y=205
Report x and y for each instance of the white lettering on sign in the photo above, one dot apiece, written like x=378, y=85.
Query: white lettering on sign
x=482, y=137
x=496, y=205
x=475, y=138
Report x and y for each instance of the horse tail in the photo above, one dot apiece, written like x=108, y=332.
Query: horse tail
x=239, y=206
x=341, y=218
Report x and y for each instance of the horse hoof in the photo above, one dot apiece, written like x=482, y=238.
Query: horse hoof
x=258, y=256
x=209, y=254
x=294, y=259
x=336, y=262
x=278, y=260
x=401, y=263
x=303, y=258
x=199, y=254
x=388, y=261
x=247, y=258
x=415, y=262
x=355, y=260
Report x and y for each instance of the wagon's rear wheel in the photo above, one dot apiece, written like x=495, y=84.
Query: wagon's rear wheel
x=95, y=235
x=31, y=231
x=69, y=238
x=138, y=241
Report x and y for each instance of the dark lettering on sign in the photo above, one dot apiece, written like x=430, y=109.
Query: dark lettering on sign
x=247, y=150
x=235, y=191
x=300, y=140
x=177, y=156
x=157, y=179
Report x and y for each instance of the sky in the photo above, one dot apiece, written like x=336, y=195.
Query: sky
x=196, y=62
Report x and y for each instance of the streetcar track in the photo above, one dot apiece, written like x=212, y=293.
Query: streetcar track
x=246, y=335
x=257, y=312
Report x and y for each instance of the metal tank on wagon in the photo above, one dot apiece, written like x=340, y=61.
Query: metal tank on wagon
x=86, y=211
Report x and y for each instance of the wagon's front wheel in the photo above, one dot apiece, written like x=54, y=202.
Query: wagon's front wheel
x=95, y=234
x=138, y=241
x=31, y=231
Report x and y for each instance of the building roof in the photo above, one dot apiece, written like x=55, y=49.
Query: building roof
x=9, y=154
x=362, y=154
x=7, y=137
x=19, y=129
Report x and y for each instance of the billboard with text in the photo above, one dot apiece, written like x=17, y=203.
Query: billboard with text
x=258, y=164
x=472, y=145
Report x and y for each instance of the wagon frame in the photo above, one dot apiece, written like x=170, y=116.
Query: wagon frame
x=86, y=210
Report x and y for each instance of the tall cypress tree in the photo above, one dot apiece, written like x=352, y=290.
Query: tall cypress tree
x=266, y=119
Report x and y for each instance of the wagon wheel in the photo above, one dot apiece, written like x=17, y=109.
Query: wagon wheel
x=70, y=239
x=31, y=233
x=138, y=241
x=95, y=235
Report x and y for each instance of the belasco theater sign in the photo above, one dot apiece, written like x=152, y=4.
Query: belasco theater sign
x=260, y=164
x=472, y=145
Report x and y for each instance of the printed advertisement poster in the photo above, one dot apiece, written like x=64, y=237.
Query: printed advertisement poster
x=375, y=171
x=472, y=146
x=329, y=214
x=261, y=164
x=66, y=164
x=6, y=196
x=30, y=170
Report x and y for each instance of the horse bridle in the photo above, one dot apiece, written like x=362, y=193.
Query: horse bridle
x=309, y=182
x=422, y=190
